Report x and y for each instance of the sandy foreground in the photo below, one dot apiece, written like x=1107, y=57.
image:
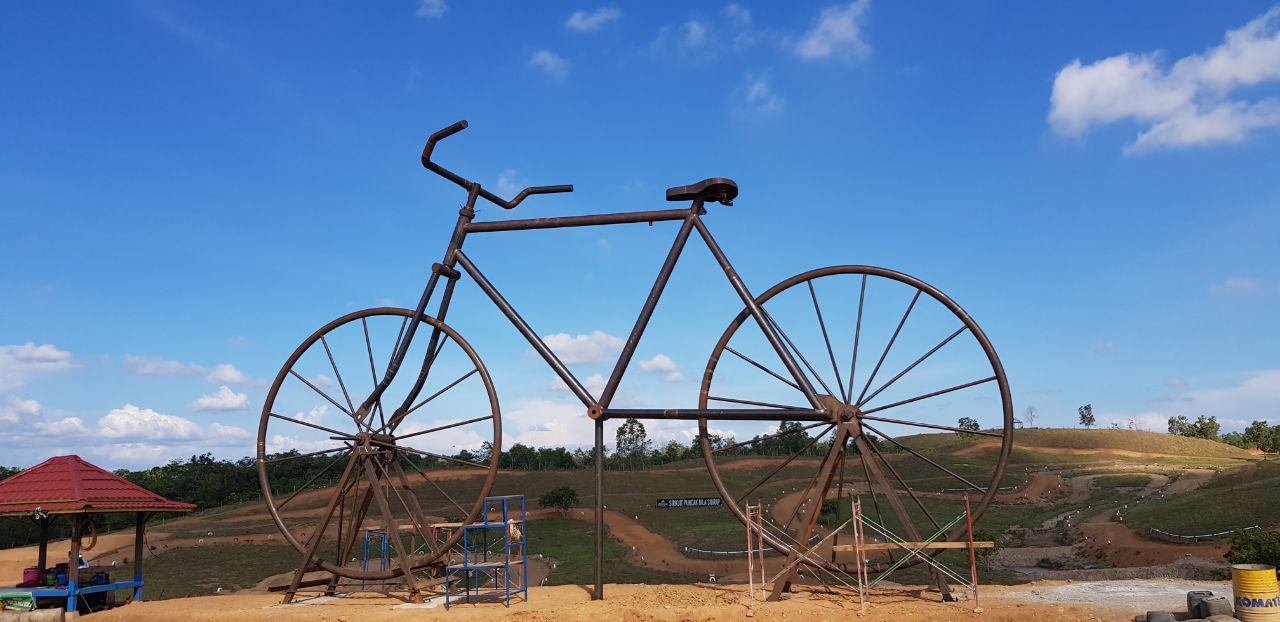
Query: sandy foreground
x=1049, y=601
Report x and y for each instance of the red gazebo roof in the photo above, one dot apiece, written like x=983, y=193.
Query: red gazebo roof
x=69, y=485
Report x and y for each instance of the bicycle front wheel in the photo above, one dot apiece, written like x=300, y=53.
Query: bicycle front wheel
x=920, y=413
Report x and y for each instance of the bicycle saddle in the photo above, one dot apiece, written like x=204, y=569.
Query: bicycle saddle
x=719, y=189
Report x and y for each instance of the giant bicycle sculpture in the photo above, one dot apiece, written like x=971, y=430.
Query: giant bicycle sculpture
x=389, y=395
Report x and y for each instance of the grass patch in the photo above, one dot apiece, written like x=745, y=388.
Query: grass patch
x=1236, y=498
x=572, y=543
x=1125, y=480
x=200, y=571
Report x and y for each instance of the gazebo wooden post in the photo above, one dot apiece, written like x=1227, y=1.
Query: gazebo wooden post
x=44, y=542
x=73, y=567
x=139, y=530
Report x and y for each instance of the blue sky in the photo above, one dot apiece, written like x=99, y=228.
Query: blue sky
x=188, y=190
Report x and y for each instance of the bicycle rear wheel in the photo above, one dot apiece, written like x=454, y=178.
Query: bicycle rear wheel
x=332, y=473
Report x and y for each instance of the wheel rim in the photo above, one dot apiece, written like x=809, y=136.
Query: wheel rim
x=395, y=468
x=883, y=385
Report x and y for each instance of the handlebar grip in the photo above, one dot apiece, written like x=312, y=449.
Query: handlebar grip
x=549, y=189
x=531, y=190
x=438, y=136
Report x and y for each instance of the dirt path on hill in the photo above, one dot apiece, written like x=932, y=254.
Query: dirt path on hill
x=980, y=446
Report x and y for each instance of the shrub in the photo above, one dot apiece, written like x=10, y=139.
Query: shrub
x=561, y=498
x=1255, y=547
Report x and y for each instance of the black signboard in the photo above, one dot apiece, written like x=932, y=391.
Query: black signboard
x=701, y=502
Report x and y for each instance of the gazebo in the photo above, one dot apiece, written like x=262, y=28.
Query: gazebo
x=70, y=487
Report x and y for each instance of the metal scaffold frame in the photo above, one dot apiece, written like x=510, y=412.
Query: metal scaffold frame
x=485, y=561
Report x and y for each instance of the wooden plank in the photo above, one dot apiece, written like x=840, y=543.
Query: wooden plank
x=893, y=546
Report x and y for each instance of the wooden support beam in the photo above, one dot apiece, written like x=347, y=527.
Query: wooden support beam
x=893, y=546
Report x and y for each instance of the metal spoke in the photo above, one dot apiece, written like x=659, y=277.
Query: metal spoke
x=926, y=459
x=767, y=437
x=786, y=462
x=776, y=327
x=309, y=482
x=322, y=393
x=437, y=487
x=306, y=455
x=796, y=512
x=933, y=426
x=876, y=450
x=929, y=395
x=857, y=335
x=871, y=490
x=889, y=346
x=839, y=494
x=913, y=365
x=754, y=403
x=373, y=370
x=823, y=325
x=437, y=394
x=443, y=427
x=342, y=385
x=431, y=455
x=762, y=368
x=416, y=518
x=311, y=425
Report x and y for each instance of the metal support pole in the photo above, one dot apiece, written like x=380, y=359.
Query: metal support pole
x=139, y=531
x=599, y=593
x=73, y=569
x=973, y=557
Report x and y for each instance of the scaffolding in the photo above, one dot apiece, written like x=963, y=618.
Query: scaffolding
x=382, y=547
x=493, y=559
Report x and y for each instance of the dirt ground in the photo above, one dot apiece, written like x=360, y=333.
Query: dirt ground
x=1042, y=602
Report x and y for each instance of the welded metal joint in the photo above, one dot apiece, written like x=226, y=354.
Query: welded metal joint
x=445, y=271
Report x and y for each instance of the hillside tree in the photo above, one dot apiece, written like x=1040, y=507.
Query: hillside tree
x=1029, y=417
x=1086, y=416
x=632, y=442
x=970, y=424
x=1203, y=427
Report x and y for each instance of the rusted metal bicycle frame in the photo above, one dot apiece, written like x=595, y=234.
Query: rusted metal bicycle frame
x=597, y=409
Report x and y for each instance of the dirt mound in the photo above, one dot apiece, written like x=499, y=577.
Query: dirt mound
x=642, y=602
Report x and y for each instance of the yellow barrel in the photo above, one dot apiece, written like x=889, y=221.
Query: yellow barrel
x=1255, y=592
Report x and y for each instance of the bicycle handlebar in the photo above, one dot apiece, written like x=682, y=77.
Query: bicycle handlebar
x=466, y=184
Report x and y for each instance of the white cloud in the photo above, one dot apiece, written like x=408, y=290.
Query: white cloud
x=755, y=97
x=18, y=410
x=509, y=183
x=545, y=423
x=1188, y=104
x=156, y=366
x=68, y=426
x=837, y=33
x=1102, y=346
x=222, y=400
x=662, y=364
x=738, y=15
x=695, y=33
x=594, y=384
x=134, y=423
x=597, y=347
x=583, y=21
x=1255, y=397
x=431, y=8
x=226, y=373
x=314, y=415
x=690, y=35
x=19, y=363
x=1235, y=285
x=547, y=61
x=220, y=432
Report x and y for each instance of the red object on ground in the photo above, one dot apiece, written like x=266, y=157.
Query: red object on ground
x=69, y=484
